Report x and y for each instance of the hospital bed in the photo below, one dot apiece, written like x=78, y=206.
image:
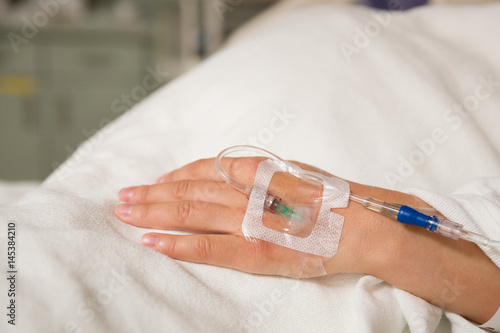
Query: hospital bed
x=386, y=99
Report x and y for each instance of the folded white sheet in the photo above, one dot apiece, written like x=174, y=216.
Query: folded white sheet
x=383, y=118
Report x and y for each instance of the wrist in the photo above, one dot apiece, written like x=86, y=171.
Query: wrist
x=447, y=273
x=383, y=237
x=370, y=241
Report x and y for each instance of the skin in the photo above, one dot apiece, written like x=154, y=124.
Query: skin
x=454, y=275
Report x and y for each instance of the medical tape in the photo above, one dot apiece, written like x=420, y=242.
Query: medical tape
x=325, y=236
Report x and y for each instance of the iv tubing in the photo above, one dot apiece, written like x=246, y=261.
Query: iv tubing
x=230, y=180
x=402, y=213
x=409, y=215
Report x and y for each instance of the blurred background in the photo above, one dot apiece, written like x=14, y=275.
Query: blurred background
x=68, y=67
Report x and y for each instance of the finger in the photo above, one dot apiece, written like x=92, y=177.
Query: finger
x=285, y=185
x=196, y=216
x=203, y=169
x=243, y=169
x=194, y=190
x=230, y=251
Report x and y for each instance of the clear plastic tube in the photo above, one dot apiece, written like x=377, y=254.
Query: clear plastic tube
x=378, y=206
x=444, y=227
x=476, y=238
x=230, y=180
x=456, y=231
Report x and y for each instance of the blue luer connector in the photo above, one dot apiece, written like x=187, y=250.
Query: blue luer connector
x=408, y=215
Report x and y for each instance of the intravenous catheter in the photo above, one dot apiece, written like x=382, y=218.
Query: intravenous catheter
x=402, y=213
x=408, y=215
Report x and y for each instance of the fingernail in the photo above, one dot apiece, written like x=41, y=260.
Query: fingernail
x=159, y=180
x=123, y=210
x=149, y=240
x=126, y=194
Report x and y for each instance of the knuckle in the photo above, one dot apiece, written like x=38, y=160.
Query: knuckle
x=240, y=211
x=143, y=211
x=202, y=247
x=253, y=163
x=183, y=210
x=261, y=251
x=197, y=168
x=210, y=191
x=180, y=189
x=141, y=194
x=247, y=164
x=169, y=247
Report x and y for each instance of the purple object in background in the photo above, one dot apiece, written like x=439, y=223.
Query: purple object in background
x=396, y=4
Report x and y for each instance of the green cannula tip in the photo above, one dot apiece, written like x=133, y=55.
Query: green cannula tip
x=286, y=211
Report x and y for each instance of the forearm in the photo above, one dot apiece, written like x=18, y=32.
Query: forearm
x=454, y=275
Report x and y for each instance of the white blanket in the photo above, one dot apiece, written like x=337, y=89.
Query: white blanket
x=385, y=118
